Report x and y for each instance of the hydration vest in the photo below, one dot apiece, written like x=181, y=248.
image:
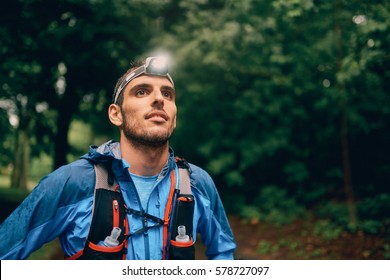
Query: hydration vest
x=109, y=211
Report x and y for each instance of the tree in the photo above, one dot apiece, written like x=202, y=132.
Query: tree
x=56, y=53
x=260, y=85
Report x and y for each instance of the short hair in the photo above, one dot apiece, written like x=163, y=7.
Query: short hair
x=134, y=65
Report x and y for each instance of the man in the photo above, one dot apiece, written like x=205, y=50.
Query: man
x=77, y=203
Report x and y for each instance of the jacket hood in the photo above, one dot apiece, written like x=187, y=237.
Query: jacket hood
x=104, y=153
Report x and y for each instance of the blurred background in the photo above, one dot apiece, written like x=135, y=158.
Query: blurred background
x=286, y=103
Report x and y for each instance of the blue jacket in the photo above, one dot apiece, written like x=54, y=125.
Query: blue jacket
x=61, y=206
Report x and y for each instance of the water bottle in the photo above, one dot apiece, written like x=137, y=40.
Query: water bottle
x=182, y=236
x=111, y=240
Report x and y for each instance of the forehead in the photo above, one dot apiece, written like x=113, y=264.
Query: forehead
x=158, y=81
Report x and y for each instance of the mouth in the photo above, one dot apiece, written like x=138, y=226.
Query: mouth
x=157, y=116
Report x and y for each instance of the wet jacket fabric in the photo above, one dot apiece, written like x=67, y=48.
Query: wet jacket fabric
x=61, y=206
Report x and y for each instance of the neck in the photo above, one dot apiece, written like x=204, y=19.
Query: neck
x=144, y=160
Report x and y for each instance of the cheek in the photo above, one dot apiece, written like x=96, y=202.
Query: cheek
x=174, y=114
x=128, y=118
x=128, y=112
x=174, y=122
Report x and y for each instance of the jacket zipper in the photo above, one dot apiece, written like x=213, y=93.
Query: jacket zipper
x=146, y=239
x=144, y=221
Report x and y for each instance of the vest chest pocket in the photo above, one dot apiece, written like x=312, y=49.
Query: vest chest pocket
x=181, y=244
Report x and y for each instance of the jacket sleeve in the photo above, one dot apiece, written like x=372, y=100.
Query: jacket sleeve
x=44, y=214
x=213, y=225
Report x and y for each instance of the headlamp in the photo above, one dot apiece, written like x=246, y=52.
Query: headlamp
x=154, y=66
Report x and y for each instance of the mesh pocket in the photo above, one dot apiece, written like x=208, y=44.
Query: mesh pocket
x=183, y=216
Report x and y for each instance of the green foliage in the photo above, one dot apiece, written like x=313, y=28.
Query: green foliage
x=336, y=212
x=12, y=194
x=250, y=213
x=277, y=207
x=61, y=55
x=4, y=179
x=5, y=136
x=373, y=214
x=40, y=166
x=327, y=230
x=296, y=172
x=265, y=247
x=372, y=226
x=80, y=136
x=377, y=206
x=259, y=91
x=272, y=205
x=260, y=96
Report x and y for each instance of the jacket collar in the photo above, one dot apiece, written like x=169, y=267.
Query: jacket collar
x=110, y=151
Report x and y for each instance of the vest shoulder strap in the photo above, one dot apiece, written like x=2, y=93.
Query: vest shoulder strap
x=104, y=180
x=184, y=176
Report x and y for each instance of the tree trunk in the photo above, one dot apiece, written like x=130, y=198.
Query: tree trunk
x=348, y=189
x=61, y=146
x=66, y=108
x=22, y=152
x=349, y=193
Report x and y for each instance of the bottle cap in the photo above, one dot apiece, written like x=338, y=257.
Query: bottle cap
x=112, y=240
x=182, y=237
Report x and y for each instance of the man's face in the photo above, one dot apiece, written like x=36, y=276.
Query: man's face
x=149, y=111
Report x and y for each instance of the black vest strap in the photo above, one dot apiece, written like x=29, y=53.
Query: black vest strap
x=146, y=216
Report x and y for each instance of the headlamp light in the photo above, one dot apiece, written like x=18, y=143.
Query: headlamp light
x=154, y=66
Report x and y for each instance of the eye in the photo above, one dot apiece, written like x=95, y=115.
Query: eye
x=168, y=94
x=140, y=92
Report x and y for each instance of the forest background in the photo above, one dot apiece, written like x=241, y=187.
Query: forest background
x=286, y=103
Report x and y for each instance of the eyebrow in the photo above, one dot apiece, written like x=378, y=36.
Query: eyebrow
x=146, y=85
x=141, y=85
x=168, y=88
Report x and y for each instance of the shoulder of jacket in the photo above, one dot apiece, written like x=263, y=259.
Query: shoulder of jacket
x=202, y=182
x=73, y=182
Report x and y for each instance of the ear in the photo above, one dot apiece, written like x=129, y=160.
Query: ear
x=115, y=115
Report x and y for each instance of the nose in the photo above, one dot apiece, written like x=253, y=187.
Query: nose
x=158, y=98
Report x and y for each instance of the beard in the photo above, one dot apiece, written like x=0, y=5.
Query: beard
x=145, y=138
